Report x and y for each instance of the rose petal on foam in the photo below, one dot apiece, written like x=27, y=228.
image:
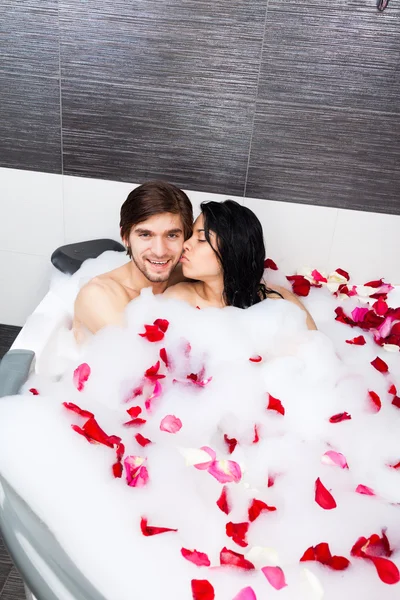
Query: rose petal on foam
x=136, y=473
x=318, y=277
x=92, y=429
x=223, y=502
x=386, y=569
x=275, y=576
x=135, y=422
x=134, y=411
x=357, y=341
x=142, y=441
x=270, y=264
x=149, y=531
x=392, y=390
x=365, y=490
x=256, y=438
x=300, y=285
x=197, y=558
x=162, y=324
x=246, y=593
x=238, y=532
x=343, y=273
x=343, y=318
x=80, y=376
x=76, y=409
x=152, y=333
x=230, y=442
x=380, y=307
x=376, y=403
x=171, y=424
x=257, y=507
x=334, y=458
x=152, y=372
x=275, y=404
x=34, y=392
x=201, y=458
x=164, y=357
x=202, y=590
x=157, y=391
x=255, y=359
x=323, y=497
x=225, y=471
x=234, y=559
x=117, y=470
x=396, y=401
x=322, y=554
x=344, y=416
x=380, y=365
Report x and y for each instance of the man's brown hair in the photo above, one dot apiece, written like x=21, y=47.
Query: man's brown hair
x=153, y=198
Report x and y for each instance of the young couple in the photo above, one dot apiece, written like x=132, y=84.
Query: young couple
x=221, y=258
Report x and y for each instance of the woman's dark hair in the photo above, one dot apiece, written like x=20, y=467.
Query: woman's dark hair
x=154, y=198
x=240, y=251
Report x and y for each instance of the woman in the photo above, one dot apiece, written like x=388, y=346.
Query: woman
x=225, y=257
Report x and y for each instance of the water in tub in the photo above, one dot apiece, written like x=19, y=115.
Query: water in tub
x=218, y=453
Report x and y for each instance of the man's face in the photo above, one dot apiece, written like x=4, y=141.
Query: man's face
x=156, y=246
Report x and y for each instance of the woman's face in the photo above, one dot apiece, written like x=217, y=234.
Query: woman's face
x=199, y=260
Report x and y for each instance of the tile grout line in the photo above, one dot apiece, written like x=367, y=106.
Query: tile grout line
x=255, y=101
x=61, y=124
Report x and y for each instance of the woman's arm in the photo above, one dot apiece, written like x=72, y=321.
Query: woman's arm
x=292, y=298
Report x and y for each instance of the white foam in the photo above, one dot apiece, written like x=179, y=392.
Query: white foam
x=69, y=484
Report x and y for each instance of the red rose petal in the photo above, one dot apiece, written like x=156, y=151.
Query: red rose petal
x=270, y=264
x=134, y=411
x=339, y=563
x=198, y=558
x=322, y=554
x=34, y=391
x=152, y=333
x=202, y=590
x=234, y=559
x=375, y=401
x=300, y=285
x=117, y=469
x=357, y=341
x=380, y=365
x=142, y=440
x=135, y=422
x=149, y=531
x=344, y=416
x=380, y=307
x=318, y=277
x=256, y=507
x=79, y=411
x=162, y=324
x=392, y=390
x=152, y=372
x=164, y=357
x=92, y=429
x=323, y=497
x=222, y=501
x=275, y=404
x=231, y=443
x=386, y=569
x=255, y=359
x=343, y=273
x=256, y=435
x=238, y=532
x=396, y=401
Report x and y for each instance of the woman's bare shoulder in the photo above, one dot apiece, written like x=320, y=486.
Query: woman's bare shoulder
x=181, y=291
x=290, y=297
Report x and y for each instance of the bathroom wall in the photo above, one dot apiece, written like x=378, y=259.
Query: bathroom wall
x=292, y=106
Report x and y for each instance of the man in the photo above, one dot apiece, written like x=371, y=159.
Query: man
x=156, y=219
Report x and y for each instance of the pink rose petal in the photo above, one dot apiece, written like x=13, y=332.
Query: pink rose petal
x=246, y=593
x=136, y=473
x=334, y=458
x=363, y=489
x=171, y=424
x=275, y=576
x=81, y=375
x=225, y=471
